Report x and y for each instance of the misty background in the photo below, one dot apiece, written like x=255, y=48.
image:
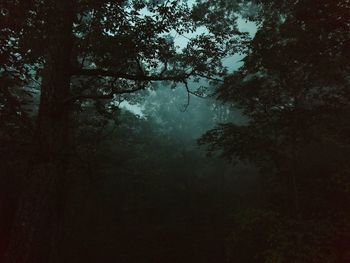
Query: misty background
x=174, y=131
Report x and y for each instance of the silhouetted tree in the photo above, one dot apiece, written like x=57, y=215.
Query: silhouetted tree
x=294, y=89
x=81, y=50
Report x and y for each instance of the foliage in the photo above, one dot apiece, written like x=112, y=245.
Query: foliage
x=276, y=238
x=294, y=89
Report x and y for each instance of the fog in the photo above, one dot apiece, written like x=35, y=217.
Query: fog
x=174, y=131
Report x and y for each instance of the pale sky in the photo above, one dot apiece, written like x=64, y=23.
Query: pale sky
x=233, y=63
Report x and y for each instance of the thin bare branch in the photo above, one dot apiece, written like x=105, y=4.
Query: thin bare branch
x=188, y=96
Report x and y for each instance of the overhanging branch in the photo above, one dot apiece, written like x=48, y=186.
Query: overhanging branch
x=122, y=75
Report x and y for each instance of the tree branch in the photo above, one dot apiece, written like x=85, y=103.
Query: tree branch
x=122, y=75
x=188, y=96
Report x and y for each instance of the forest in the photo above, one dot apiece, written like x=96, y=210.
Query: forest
x=175, y=131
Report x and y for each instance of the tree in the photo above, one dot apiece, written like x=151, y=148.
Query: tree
x=82, y=50
x=294, y=89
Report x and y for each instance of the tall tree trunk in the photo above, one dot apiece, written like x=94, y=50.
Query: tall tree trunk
x=36, y=225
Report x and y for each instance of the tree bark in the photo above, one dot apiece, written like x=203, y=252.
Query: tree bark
x=36, y=225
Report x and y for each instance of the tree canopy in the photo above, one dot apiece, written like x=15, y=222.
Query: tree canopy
x=74, y=158
x=294, y=89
